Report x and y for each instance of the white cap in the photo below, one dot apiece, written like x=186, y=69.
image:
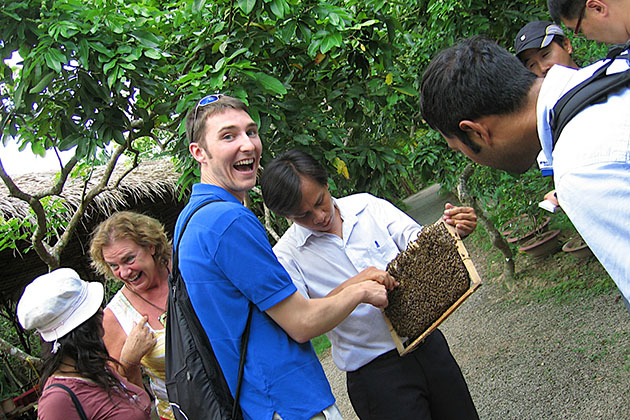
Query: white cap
x=58, y=302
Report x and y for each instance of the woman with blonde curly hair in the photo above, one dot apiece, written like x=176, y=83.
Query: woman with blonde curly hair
x=134, y=249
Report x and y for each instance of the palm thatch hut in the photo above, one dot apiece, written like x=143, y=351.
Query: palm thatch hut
x=151, y=188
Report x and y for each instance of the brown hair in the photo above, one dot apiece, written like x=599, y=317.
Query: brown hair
x=205, y=111
x=141, y=229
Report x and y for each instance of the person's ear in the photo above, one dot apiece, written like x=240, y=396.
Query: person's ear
x=566, y=44
x=477, y=132
x=197, y=152
x=597, y=6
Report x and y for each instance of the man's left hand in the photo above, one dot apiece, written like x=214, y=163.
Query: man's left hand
x=463, y=218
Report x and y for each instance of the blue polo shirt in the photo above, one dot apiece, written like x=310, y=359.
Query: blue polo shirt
x=226, y=261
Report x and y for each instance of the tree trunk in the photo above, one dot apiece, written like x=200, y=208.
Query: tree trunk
x=495, y=236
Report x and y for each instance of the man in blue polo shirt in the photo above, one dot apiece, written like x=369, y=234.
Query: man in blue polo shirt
x=227, y=262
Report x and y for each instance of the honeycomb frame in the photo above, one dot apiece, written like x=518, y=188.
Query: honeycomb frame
x=475, y=282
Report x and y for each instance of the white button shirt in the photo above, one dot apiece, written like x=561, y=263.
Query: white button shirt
x=591, y=166
x=374, y=232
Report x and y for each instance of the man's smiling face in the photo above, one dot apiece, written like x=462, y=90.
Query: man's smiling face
x=229, y=153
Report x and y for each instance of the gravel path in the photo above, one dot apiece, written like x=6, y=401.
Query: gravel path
x=540, y=361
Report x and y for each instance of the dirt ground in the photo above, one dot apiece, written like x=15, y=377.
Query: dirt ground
x=535, y=359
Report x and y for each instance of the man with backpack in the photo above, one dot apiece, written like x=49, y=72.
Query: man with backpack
x=233, y=278
x=489, y=107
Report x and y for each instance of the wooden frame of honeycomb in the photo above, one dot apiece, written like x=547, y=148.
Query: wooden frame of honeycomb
x=475, y=282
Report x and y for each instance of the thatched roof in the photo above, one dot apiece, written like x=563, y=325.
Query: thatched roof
x=151, y=188
x=150, y=180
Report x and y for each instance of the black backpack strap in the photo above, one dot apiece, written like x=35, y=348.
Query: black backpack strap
x=75, y=400
x=241, y=363
x=245, y=337
x=593, y=90
x=175, y=263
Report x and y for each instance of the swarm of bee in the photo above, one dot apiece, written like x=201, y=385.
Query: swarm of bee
x=432, y=277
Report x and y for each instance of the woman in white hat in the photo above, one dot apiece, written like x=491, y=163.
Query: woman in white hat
x=133, y=249
x=77, y=381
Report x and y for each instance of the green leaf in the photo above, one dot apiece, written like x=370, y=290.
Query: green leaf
x=246, y=5
x=10, y=14
x=84, y=52
x=124, y=49
x=270, y=83
x=277, y=8
x=146, y=38
x=407, y=90
x=371, y=159
x=198, y=5
x=133, y=55
x=118, y=136
x=153, y=54
x=108, y=66
x=304, y=139
x=42, y=83
x=54, y=59
x=112, y=77
x=38, y=149
x=69, y=142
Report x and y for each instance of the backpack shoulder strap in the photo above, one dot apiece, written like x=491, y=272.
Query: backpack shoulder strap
x=175, y=262
x=74, y=398
x=593, y=90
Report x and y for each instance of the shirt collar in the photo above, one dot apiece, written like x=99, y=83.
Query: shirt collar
x=348, y=209
x=201, y=190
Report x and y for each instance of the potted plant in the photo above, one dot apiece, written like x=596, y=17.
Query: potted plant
x=524, y=227
x=577, y=247
x=541, y=244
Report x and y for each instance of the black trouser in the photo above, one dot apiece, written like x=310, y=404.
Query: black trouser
x=426, y=384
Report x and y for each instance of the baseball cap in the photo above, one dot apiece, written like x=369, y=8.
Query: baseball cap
x=536, y=34
x=58, y=302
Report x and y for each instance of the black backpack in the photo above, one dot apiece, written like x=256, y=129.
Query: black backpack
x=593, y=90
x=195, y=383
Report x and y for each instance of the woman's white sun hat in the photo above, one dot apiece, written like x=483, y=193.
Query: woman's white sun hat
x=58, y=302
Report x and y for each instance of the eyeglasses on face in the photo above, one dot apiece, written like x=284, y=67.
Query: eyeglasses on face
x=579, y=21
x=206, y=100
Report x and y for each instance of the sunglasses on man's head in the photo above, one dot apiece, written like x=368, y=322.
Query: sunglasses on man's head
x=206, y=100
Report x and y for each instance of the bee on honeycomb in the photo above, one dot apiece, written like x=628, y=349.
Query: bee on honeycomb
x=432, y=277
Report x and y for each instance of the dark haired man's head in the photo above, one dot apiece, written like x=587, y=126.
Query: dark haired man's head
x=540, y=45
x=600, y=20
x=472, y=79
x=564, y=9
x=483, y=102
x=281, y=184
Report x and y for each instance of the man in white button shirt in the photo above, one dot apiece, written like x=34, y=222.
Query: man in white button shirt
x=334, y=243
x=489, y=107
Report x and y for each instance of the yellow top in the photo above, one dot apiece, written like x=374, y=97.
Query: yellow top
x=153, y=361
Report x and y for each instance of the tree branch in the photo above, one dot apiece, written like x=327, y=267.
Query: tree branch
x=497, y=239
x=268, y=225
x=88, y=198
x=37, y=239
x=11, y=350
